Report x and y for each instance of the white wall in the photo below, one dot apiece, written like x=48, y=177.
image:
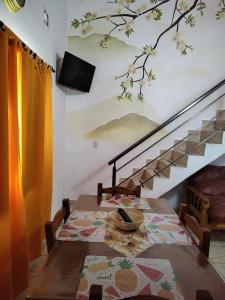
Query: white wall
x=179, y=80
x=49, y=43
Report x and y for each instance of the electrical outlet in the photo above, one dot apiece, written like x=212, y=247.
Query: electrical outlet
x=95, y=144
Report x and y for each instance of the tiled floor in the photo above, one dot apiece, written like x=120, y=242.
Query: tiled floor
x=217, y=252
x=216, y=257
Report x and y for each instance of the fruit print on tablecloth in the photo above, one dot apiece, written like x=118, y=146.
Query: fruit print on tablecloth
x=123, y=201
x=166, y=229
x=88, y=226
x=125, y=277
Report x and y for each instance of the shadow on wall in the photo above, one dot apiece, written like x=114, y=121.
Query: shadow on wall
x=93, y=175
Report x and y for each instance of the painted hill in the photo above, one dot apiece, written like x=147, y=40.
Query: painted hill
x=125, y=130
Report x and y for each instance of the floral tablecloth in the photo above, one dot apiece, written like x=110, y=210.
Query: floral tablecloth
x=88, y=226
x=122, y=277
x=124, y=201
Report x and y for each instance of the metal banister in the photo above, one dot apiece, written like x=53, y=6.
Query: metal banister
x=164, y=124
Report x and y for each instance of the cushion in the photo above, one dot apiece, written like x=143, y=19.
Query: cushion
x=209, y=172
x=216, y=211
x=212, y=187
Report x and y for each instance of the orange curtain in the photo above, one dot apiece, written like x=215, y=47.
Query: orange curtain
x=25, y=161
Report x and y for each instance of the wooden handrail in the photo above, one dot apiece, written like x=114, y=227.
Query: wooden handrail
x=164, y=124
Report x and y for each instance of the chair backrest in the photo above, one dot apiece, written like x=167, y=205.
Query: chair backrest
x=117, y=190
x=202, y=233
x=52, y=226
x=95, y=293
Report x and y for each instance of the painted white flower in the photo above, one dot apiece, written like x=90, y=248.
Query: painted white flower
x=154, y=14
x=176, y=36
x=142, y=82
x=148, y=16
x=154, y=52
x=108, y=18
x=183, y=5
x=141, y=9
x=84, y=30
x=131, y=70
x=126, y=83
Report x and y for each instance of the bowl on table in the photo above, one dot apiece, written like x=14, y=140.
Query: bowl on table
x=136, y=216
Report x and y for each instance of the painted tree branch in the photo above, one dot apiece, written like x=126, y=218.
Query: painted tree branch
x=139, y=73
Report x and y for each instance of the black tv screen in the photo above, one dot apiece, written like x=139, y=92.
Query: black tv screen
x=76, y=73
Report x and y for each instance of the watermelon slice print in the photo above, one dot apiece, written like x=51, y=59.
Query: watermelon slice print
x=112, y=291
x=69, y=227
x=146, y=290
x=151, y=273
x=87, y=232
x=112, y=201
x=156, y=219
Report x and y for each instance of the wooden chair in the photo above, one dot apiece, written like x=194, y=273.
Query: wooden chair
x=52, y=226
x=202, y=233
x=96, y=294
x=117, y=190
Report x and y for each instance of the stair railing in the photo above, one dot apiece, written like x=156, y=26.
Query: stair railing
x=174, y=145
x=185, y=152
x=155, y=131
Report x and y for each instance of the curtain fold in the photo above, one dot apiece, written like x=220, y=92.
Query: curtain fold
x=25, y=161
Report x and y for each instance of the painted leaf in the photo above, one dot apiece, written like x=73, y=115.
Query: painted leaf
x=146, y=290
x=87, y=232
x=112, y=291
x=151, y=273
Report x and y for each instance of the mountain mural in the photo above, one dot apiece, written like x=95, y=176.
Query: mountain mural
x=127, y=129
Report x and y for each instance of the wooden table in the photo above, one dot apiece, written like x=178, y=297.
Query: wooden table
x=60, y=276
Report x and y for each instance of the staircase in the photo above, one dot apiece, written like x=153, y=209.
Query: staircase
x=185, y=156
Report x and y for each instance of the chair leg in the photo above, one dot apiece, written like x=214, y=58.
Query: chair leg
x=50, y=235
x=203, y=295
x=95, y=292
x=66, y=206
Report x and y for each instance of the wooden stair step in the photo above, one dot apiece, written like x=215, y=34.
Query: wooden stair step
x=207, y=125
x=220, y=115
x=179, y=145
x=149, y=173
x=154, y=167
x=180, y=158
x=219, y=125
x=164, y=167
x=165, y=154
x=193, y=135
x=128, y=184
x=151, y=163
x=211, y=137
x=194, y=148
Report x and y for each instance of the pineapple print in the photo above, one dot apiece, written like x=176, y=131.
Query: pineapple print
x=126, y=279
x=166, y=291
x=102, y=266
x=83, y=283
x=126, y=201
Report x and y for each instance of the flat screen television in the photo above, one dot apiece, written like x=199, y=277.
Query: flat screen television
x=76, y=73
